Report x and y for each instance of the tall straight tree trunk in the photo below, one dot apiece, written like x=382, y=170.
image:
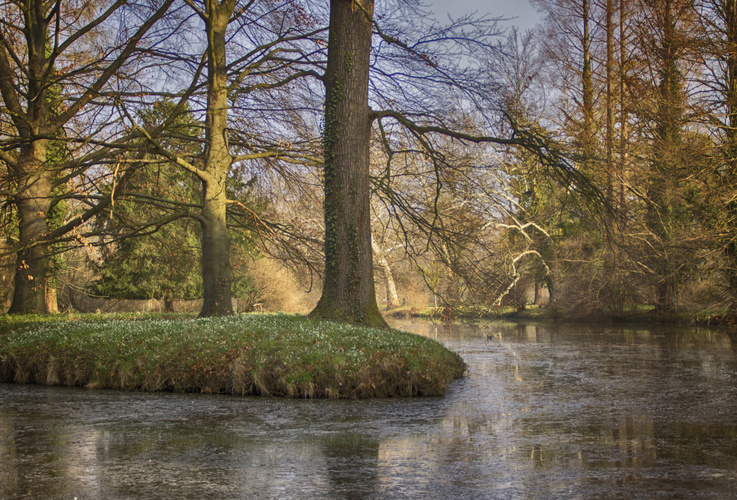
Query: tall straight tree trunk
x=665, y=160
x=587, y=87
x=623, y=118
x=610, y=101
x=348, y=293
x=609, y=255
x=216, y=272
x=33, y=201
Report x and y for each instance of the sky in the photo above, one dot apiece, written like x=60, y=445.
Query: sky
x=525, y=16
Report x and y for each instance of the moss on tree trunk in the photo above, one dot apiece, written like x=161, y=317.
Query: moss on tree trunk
x=216, y=273
x=348, y=293
x=33, y=201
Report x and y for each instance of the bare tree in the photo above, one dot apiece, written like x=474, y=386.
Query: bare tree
x=241, y=111
x=665, y=37
x=718, y=42
x=51, y=71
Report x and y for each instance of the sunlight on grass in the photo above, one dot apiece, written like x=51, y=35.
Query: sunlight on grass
x=278, y=355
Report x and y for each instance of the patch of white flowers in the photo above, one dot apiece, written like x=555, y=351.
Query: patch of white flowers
x=286, y=337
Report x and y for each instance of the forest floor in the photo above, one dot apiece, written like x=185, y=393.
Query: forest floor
x=247, y=354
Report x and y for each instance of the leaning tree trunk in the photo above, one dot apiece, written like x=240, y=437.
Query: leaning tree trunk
x=348, y=293
x=33, y=201
x=392, y=298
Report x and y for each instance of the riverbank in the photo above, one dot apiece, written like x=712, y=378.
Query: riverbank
x=261, y=355
x=548, y=314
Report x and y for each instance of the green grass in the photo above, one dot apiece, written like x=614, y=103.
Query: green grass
x=277, y=355
x=13, y=322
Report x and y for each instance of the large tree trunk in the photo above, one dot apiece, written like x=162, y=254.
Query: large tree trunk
x=348, y=293
x=36, y=35
x=33, y=201
x=216, y=274
x=31, y=172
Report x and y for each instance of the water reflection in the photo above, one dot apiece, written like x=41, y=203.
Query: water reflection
x=544, y=412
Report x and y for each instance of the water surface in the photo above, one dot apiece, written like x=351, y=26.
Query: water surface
x=545, y=412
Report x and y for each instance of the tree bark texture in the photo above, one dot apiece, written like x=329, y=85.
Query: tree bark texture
x=348, y=293
x=30, y=170
x=587, y=87
x=33, y=201
x=609, y=257
x=216, y=272
x=610, y=102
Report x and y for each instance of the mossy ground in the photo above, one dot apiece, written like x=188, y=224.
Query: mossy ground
x=275, y=355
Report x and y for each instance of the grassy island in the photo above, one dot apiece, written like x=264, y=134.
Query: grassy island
x=264, y=355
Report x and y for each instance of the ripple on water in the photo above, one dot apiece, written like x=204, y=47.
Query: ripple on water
x=543, y=413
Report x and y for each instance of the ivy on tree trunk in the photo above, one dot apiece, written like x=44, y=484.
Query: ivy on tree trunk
x=348, y=293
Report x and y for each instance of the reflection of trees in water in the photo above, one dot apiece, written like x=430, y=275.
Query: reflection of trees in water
x=631, y=442
x=544, y=411
x=9, y=474
x=46, y=461
x=348, y=456
x=607, y=401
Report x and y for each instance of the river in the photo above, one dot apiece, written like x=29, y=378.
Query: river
x=545, y=412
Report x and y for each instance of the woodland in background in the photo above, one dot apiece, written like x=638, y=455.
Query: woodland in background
x=188, y=149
